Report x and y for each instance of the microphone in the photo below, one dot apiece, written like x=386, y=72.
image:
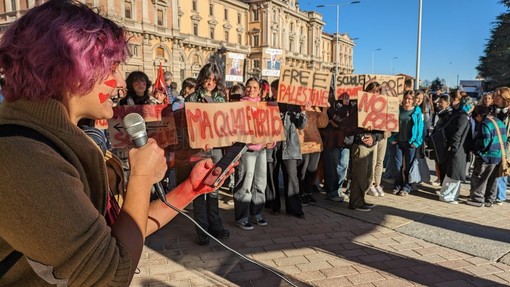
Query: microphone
x=134, y=124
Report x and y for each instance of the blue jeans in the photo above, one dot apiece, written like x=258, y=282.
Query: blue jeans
x=403, y=151
x=502, y=183
x=250, y=186
x=389, y=163
x=336, y=164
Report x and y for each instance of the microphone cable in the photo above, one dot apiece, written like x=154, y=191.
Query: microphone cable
x=260, y=264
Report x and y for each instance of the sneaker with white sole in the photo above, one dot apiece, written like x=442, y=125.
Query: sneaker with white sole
x=259, y=221
x=372, y=191
x=435, y=183
x=380, y=190
x=244, y=225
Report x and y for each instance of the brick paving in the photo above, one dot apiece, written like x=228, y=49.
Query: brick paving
x=334, y=246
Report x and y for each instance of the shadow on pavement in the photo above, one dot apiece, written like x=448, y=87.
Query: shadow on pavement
x=334, y=251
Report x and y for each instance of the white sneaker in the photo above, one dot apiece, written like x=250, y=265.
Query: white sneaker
x=372, y=191
x=380, y=190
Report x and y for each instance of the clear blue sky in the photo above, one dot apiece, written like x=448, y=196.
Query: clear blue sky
x=454, y=34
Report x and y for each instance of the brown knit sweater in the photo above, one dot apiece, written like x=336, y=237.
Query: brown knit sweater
x=51, y=207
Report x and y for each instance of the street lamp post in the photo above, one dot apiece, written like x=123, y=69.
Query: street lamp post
x=391, y=65
x=373, y=56
x=337, y=31
x=448, y=79
x=418, y=48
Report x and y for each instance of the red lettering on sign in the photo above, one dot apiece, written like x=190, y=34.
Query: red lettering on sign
x=371, y=102
x=220, y=120
x=191, y=119
x=249, y=120
x=352, y=92
x=239, y=121
x=206, y=125
x=276, y=121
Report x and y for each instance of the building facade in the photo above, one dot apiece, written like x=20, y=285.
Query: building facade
x=183, y=35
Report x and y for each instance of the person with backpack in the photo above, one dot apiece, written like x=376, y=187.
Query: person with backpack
x=55, y=186
x=489, y=144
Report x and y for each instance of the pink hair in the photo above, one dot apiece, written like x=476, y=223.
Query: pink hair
x=60, y=47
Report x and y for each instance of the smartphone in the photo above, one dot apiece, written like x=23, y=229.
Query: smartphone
x=231, y=156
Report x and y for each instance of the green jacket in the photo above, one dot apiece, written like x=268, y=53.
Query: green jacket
x=199, y=96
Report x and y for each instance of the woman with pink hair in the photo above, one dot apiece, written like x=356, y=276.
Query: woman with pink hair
x=61, y=65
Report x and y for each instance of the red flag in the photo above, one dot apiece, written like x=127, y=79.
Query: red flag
x=159, y=84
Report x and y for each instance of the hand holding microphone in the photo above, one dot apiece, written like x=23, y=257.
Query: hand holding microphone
x=147, y=159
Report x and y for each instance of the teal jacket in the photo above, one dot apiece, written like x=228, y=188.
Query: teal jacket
x=417, y=131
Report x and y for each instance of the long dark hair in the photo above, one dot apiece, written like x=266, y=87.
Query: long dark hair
x=206, y=72
x=188, y=83
x=133, y=77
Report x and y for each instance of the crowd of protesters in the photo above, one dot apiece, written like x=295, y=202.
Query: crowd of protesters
x=70, y=184
x=325, y=151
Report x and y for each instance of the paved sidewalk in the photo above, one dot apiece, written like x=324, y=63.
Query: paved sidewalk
x=405, y=241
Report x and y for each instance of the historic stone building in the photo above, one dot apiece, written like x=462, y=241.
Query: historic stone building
x=281, y=25
x=184, y=34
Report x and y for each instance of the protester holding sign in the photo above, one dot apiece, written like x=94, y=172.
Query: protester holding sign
x=54, y=215
x=379, y=153
x=138, y=85
x=362, y=157
x=250, y=175
x=311, y=148
x=273, y=163
x=407, y=141
x=337, y=139
x=205, y=207
x=289, y=153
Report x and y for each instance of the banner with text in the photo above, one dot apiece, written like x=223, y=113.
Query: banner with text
x=351, y=84
x=221, y=124
x=159, y=121
x=301, y=86
x=378, y=112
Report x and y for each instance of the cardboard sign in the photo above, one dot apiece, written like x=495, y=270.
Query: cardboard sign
x=301, y=86
x=273, y=61
x=348, y=85
x=159, y=121
x=234, y=71
x=221, y=124
x=351, y=84
x=378, y=112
